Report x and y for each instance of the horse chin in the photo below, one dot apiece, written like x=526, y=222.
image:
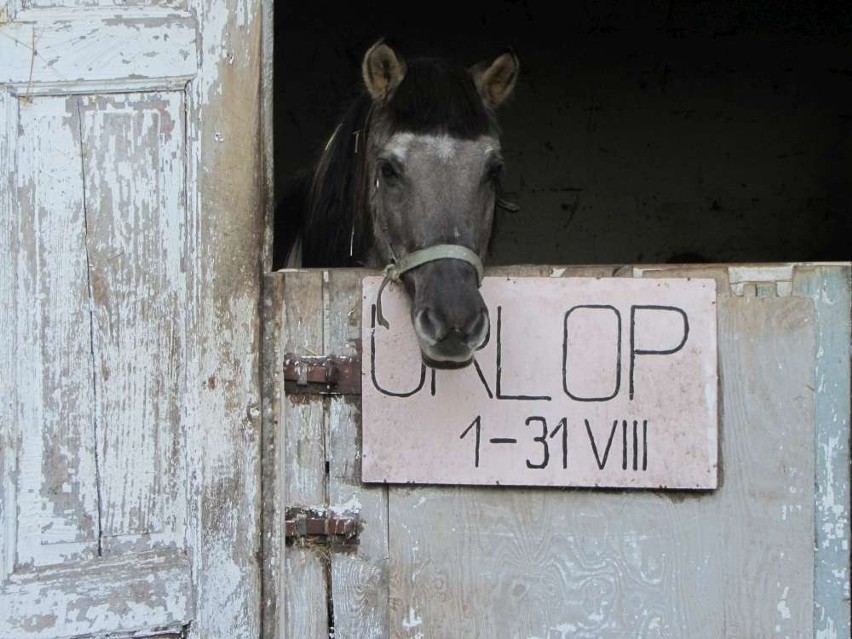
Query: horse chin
x=446, y=364
x=446, y=355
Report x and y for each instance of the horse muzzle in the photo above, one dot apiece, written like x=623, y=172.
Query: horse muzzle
x=448, y=313
x=451, y=343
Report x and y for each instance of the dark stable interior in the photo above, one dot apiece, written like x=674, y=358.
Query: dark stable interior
x=666, y=132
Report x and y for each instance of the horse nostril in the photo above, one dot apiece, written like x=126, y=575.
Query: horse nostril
x=478, y=329
x=430, y=326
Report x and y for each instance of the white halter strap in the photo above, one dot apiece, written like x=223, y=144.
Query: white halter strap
x=394, y=270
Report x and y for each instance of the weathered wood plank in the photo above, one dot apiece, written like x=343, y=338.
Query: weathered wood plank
x=830, y=288
x=53, y=50
x=133, y=162
x=9, y=428
x=80, y=599
x=765, y=507
x=101, y=3
x=359, y=579
x=203, y=196
x=225, y=235
x=302, y=460
x=543, y=563
x=272, y=461
x=56, y=485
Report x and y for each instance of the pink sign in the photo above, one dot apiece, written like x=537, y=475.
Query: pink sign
x=583, y=382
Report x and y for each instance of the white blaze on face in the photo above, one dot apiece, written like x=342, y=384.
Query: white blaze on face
x=442, y=147
x=399, y=144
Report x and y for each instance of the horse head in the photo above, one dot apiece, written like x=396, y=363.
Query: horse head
x=432, y=168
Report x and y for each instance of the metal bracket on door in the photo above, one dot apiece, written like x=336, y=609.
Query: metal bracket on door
x=321, y=526
x=322, y=375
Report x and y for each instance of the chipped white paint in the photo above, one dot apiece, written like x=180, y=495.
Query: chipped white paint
x=57, y=49
x=349, y=507
x=131, y=404
x=782, y=607
x=412, y=620
x=761, y=281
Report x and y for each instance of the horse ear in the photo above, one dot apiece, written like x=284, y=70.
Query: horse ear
x=382, y=70
x=496, y=82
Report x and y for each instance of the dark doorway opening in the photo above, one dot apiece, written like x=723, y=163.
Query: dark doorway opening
x=666, y=133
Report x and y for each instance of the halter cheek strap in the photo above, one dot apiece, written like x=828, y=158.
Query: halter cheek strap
x=394, y=270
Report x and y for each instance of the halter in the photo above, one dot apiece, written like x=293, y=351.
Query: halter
x=394, y=270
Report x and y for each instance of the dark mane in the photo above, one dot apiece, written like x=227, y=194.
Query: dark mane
x=434, y=97
x=335, y=213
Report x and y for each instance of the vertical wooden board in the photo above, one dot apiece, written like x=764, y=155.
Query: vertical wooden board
x=765, y=511
x=57, y=492
x=272, y=458
x=135, y=215
x=360, y=578
x=304, y=437
x=225, y=236
x=303, y=461
x=829, y=287
x=9, y=326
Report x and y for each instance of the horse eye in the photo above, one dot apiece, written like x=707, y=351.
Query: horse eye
x=388, y=171
x=495, y=171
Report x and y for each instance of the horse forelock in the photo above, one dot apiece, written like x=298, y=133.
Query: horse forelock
x=438, y=97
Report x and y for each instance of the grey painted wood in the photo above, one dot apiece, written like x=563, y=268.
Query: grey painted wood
x=735, y=562
x=359, y=579
x=272, y=542
x=303, y=465
x=829, y=287
x=319, y=463
x=766, y=500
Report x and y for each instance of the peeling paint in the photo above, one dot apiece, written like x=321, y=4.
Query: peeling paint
x=125, y=474
x=412, y=620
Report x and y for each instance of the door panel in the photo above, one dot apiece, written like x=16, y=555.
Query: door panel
x=57, y=496
x=765, y=553
x=100, y=362
x=120, y=446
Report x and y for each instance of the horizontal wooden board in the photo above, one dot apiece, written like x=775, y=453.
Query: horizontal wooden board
x=54, y=50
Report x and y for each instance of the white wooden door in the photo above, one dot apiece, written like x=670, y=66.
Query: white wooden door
x=130, y=415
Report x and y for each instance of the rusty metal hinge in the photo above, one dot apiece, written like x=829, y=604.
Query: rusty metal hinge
x=324, y=375
x=321, y=526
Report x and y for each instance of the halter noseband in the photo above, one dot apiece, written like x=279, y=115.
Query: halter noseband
x=394, y=270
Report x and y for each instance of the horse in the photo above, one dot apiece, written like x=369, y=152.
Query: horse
x=409, y=180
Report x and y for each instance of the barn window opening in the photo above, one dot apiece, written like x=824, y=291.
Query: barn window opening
x=684, y=133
